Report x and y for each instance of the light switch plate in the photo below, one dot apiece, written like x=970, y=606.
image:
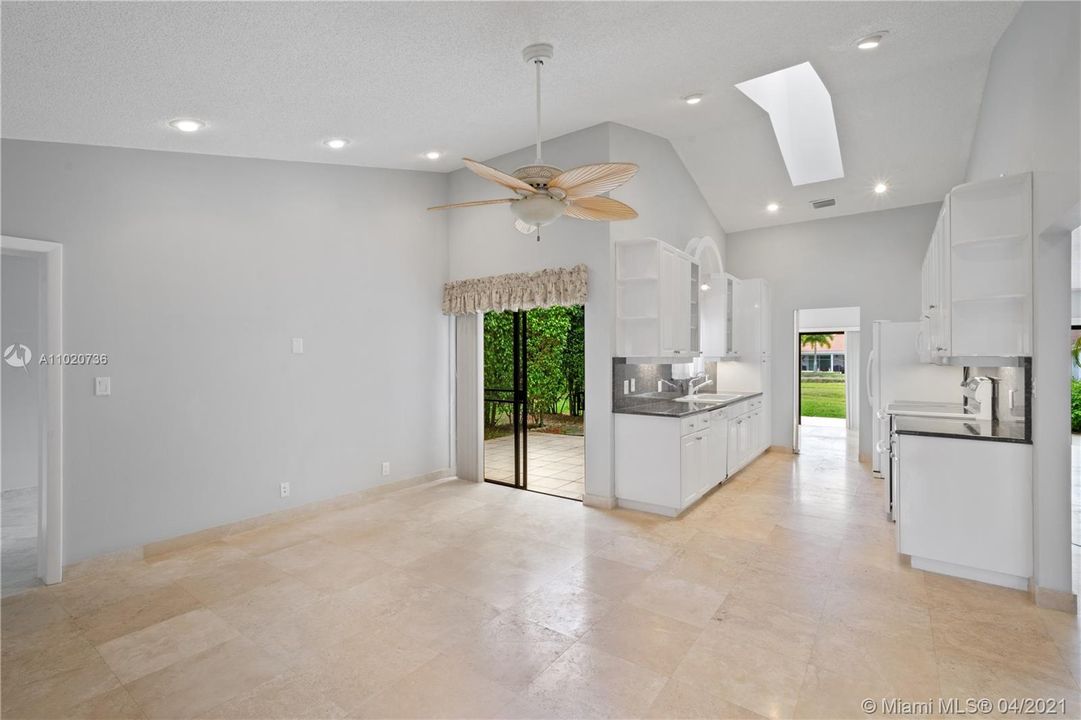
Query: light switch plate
x=386, y=468
x=298, y=346
x=103, y=386
x=285, y=489
x=626, y=386
x=632, y=384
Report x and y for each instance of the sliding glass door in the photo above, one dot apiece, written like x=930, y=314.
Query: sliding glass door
x=534, y=399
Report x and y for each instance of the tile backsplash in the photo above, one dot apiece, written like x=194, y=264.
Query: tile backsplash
x=646, y=377
x=1014, y=388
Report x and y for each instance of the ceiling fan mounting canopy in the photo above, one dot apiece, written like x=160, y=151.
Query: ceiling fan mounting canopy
x=538, y=52
x=543, y=193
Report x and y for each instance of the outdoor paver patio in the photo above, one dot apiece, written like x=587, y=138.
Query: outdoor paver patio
x=556, y=463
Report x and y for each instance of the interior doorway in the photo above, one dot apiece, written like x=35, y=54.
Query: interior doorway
x=826, y=381
x=534, y=399
x=31, y=283
x=1075, y=403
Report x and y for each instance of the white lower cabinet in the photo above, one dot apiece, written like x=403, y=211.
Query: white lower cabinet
x=747, y=433
x=732, y=455
x=717, y=451
x=664, y=465
x=964, y=507
x=693, y=456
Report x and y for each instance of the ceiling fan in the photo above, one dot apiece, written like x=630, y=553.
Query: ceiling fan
x=544, y=193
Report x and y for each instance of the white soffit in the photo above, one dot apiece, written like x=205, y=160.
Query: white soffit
x=801, y=111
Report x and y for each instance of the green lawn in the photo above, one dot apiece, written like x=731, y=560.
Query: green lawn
x=822, y=399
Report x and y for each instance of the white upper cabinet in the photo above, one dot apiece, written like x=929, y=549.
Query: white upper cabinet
x=752, y=327
x=977, y=274
x=717, y=313
x=657, y=299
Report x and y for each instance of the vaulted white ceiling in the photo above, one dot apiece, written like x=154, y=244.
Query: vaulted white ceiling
x=273, y=80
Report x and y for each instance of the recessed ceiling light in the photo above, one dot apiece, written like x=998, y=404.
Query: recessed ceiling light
x=433, y=154
x=773, y=207
x=870, y=42
x=693, y=99
x=705, y=286
x=187, y=125
x=881, y=188
x=336, y=143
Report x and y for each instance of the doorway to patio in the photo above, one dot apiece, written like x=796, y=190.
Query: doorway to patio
x=534, y=399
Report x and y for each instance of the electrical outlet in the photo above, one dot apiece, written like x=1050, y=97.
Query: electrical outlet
x=626, y=386
x=103, y=386
x=298, y=346
x=632, y=384
x=386, y=468
x=285, y=489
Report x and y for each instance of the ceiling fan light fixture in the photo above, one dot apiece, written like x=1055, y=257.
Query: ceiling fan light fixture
x=538, y=210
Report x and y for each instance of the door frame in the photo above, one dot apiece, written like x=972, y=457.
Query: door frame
x=51, y=470
x=796, y=359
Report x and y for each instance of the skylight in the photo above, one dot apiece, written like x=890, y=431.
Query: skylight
x=801, y=111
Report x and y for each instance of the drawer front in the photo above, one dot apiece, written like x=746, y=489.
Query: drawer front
x=755, y=403
x=694, y=423
x=737, y=409
x=716, y=415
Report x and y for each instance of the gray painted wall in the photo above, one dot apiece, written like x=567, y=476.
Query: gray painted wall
x=670, y=206
x=1029, y=121
x=872, y=261
x=193, y=272
x=20, y=284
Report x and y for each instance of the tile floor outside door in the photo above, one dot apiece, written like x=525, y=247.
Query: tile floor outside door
x=779, y=595
x=556, y=463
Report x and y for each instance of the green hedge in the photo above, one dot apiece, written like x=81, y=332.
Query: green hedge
x=1075, y=406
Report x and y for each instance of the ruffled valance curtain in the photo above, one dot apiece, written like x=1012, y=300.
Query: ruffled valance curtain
x=517, y=291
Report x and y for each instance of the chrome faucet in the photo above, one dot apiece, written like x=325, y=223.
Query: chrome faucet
x=981, y=396
x=692, y=388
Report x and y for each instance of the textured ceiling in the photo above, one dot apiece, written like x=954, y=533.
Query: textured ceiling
x=273, y=80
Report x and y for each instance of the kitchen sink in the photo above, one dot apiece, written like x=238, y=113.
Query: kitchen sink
x=710, y=397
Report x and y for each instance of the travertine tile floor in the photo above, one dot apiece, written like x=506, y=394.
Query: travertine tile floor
x=556, y=463
x=780, y=595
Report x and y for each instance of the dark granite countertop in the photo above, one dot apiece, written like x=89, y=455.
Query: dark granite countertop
x=967, y=429
x=665, y=404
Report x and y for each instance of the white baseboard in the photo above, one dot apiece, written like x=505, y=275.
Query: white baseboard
x=603, y=502
x=648, y=507
x=1055, y=600
x=101, y=562
x=985, y=576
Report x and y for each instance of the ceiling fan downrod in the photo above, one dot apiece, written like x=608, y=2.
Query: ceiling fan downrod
x=537, y=54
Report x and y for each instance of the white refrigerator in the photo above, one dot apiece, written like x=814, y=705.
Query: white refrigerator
x=896, y=375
